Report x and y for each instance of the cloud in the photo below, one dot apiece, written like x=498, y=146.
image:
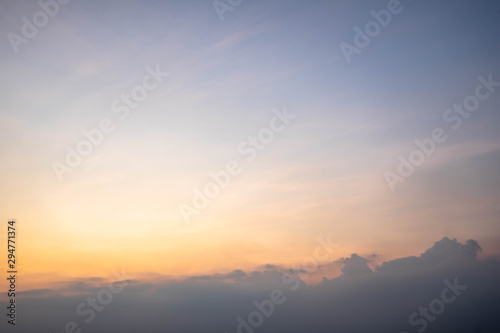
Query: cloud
x=445, y=251
x=360, y=300
x=355, y=265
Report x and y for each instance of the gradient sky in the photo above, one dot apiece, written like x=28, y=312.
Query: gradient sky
x=321, y=176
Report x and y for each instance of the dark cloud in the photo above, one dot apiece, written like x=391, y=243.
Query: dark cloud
x=237, y=273
x=360, y=300
x=270, y=266
x=445, y=252
x=355, y=265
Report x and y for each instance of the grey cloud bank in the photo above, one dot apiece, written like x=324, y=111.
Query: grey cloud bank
x=360, y=300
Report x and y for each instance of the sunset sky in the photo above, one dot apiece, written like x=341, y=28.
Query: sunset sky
x=323, y=174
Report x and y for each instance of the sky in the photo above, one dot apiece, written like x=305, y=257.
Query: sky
x=207, y=147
